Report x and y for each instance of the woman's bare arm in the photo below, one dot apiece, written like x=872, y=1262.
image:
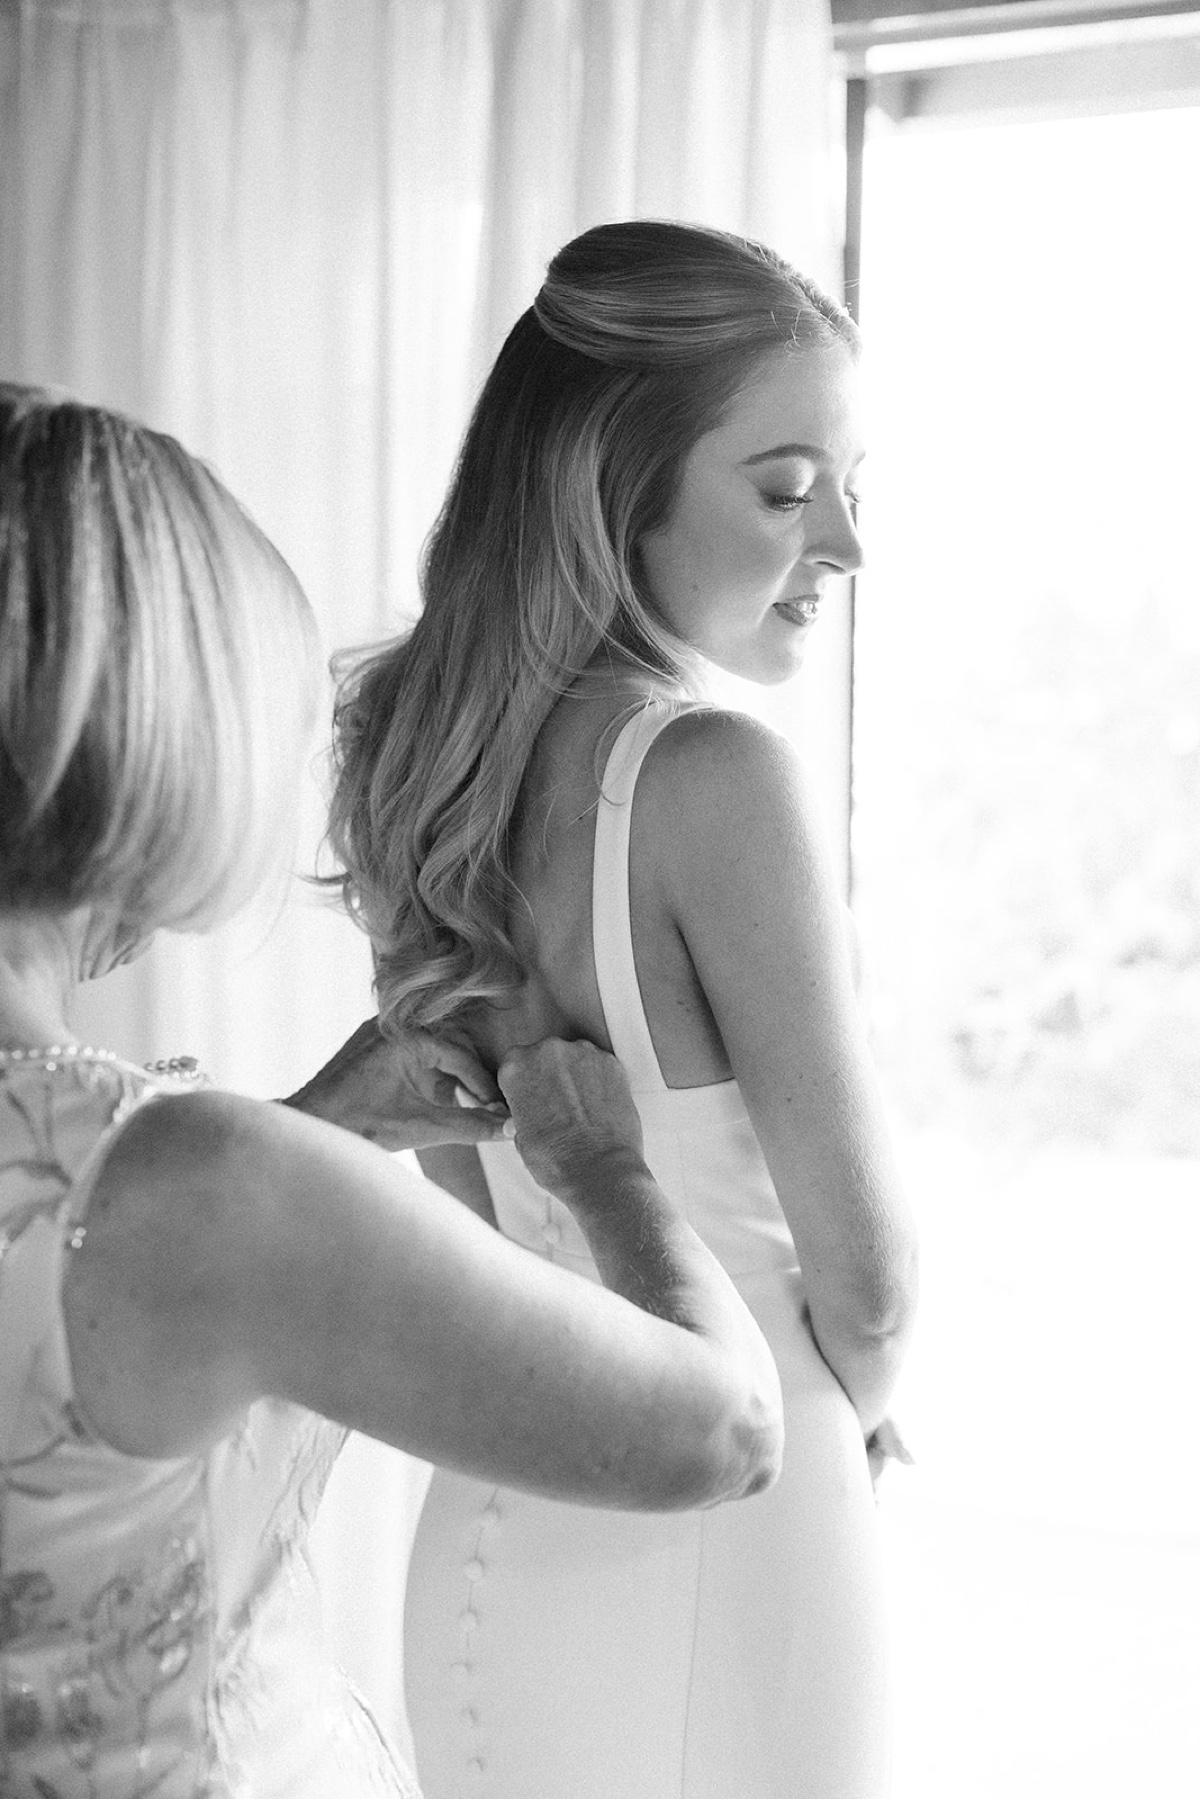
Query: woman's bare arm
x=236, y=1249
x=746, y=878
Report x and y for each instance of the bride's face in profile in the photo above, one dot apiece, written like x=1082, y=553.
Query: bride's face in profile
x=762, y=520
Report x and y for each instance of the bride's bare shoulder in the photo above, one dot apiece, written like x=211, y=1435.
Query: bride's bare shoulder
x=711, y=757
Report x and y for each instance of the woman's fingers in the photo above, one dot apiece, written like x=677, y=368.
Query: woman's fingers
x=885, y=1444
x=399, y=1091
x=441, y=1125
x=463, y=1066
x=572, y=1105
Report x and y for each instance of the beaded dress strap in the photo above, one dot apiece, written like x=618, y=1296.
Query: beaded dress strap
x=31, y=1256
x=612, y=935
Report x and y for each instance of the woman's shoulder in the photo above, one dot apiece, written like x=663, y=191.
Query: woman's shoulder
x=724, y=810
x=202, y=1164
x=715, y=731
x=182, y=1264
x=206, y=1130
x=710, y=767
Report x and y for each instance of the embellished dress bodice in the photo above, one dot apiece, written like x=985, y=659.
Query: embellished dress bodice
x=159, y=1624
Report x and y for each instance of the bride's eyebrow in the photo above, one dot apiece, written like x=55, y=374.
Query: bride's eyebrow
x=800, y=452
x=808, y=452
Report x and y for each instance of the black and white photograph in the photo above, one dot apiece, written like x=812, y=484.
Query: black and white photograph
x=599, y=899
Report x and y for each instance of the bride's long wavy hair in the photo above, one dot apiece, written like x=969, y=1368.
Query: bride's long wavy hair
x=639, y=339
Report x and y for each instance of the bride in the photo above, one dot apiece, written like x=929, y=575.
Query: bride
x=545, y=829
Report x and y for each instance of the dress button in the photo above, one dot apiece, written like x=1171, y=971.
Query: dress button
x=474, y=1570
x=475, y=1768
x=468, y=1620
x=460, y=1673
x=553, y=1233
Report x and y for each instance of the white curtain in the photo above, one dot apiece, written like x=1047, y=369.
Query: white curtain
x=293, y=233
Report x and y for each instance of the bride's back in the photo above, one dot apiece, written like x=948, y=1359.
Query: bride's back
x=551, y=924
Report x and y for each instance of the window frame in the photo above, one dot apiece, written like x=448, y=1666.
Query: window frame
x=946, y=62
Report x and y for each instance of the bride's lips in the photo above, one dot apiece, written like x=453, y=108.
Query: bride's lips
x=800, y=611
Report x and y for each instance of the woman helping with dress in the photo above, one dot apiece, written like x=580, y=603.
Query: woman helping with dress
x=199, y=1293
x=545, y=830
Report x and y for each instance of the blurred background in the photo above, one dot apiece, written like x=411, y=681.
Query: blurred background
x=294, y=232
x=1026, y=873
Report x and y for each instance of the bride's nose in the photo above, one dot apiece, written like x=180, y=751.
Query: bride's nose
x=832, y=538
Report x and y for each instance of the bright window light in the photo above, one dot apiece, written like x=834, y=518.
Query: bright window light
x=1026, y=850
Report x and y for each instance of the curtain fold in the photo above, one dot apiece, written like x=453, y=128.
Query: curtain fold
x=294, y=233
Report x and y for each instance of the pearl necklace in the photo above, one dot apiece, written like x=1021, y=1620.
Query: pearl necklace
x=56, y=1055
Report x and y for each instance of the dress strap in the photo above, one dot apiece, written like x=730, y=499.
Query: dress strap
x=35, y=1233
x=612, y=937
x=31, y=1274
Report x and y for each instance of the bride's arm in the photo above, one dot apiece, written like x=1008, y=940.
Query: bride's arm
x=745, y=876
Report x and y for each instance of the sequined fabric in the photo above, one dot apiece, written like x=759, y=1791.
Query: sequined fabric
x=159, y=1625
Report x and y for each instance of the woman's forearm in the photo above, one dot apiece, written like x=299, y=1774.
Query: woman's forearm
x=646, y=1251
x=648, y=1254
x=714, y=1382
x=866, y=1362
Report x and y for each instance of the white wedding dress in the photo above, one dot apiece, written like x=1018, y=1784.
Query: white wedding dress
x=555, y=1652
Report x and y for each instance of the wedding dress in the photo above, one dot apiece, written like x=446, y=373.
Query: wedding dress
x=557, y=1652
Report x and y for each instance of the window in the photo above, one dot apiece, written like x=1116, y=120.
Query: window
x=1026, y=868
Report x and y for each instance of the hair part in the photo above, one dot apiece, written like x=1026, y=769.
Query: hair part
x=641, y=336
x=158, y=674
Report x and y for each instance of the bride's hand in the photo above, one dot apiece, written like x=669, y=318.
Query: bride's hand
x=413, y=1091
x=885, y=1444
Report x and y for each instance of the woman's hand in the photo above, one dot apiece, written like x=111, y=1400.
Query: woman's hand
x=573, y=1112
x=406, y=1092
x=885, y=1444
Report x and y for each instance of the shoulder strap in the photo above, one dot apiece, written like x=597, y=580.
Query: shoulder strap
x=612, y=937
x=29, y=1279
x=31, y=1273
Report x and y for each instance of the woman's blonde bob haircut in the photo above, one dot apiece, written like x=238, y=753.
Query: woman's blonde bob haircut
x=158, y=675
x=640, y=338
